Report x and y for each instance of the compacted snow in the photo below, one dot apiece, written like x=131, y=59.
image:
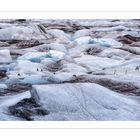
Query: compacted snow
x=69, y=70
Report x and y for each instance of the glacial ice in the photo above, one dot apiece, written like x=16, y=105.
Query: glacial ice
x=68, y=65
x=86, y=100
x=5, y=56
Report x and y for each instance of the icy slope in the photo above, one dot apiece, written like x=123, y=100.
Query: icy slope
x=84, y=100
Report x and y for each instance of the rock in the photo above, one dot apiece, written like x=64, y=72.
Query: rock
x=135, y=44
x=93, y=51
x=28, y=43
x=27, y=108
x=125, y=88
x=4, y=44
x=14, y=89
x=5, y=56
x=19, y=87
x=129, y=39
x=20, y=20
x=3, y=73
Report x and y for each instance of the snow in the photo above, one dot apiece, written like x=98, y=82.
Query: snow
x=86, y=100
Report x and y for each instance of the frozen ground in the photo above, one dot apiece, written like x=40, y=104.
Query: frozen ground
x=69, y=69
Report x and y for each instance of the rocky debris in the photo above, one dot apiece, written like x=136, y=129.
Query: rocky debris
x=93, y=51
x=135, y=44
x=129, y=39
x=15, y=89
x=4, y=44
x=54, y=67
x=28, y=43
x=19, y=87
x=20, y=20
x=69, y=28
x=133, y=50
x=27, y=108
x=3, y=73
x=12, y=41
x=121, y=87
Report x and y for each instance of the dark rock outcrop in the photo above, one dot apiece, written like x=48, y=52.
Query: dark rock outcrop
x=27, y=108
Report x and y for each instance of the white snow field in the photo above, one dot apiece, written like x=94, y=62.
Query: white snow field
x=56, y=70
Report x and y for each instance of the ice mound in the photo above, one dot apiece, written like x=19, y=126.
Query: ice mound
x=20, y=33
x=5, y=56
x=84, y=100
x=109, y=42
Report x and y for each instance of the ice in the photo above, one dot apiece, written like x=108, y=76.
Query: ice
x=56, y=55
x=5, y=56
x=116, y=28
x=95, y=62
x=3, y=86
x=33, y=56
x=53, y=46
x=83, y=40
x=81, y=33
x=39, y=56
x=110, y=52
x=86, y=100
x=28, y=67
x=63, y=63
x=108, y=42
x=7, y=101
x=59, y=34
x=80, y=49
x=20, y=33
